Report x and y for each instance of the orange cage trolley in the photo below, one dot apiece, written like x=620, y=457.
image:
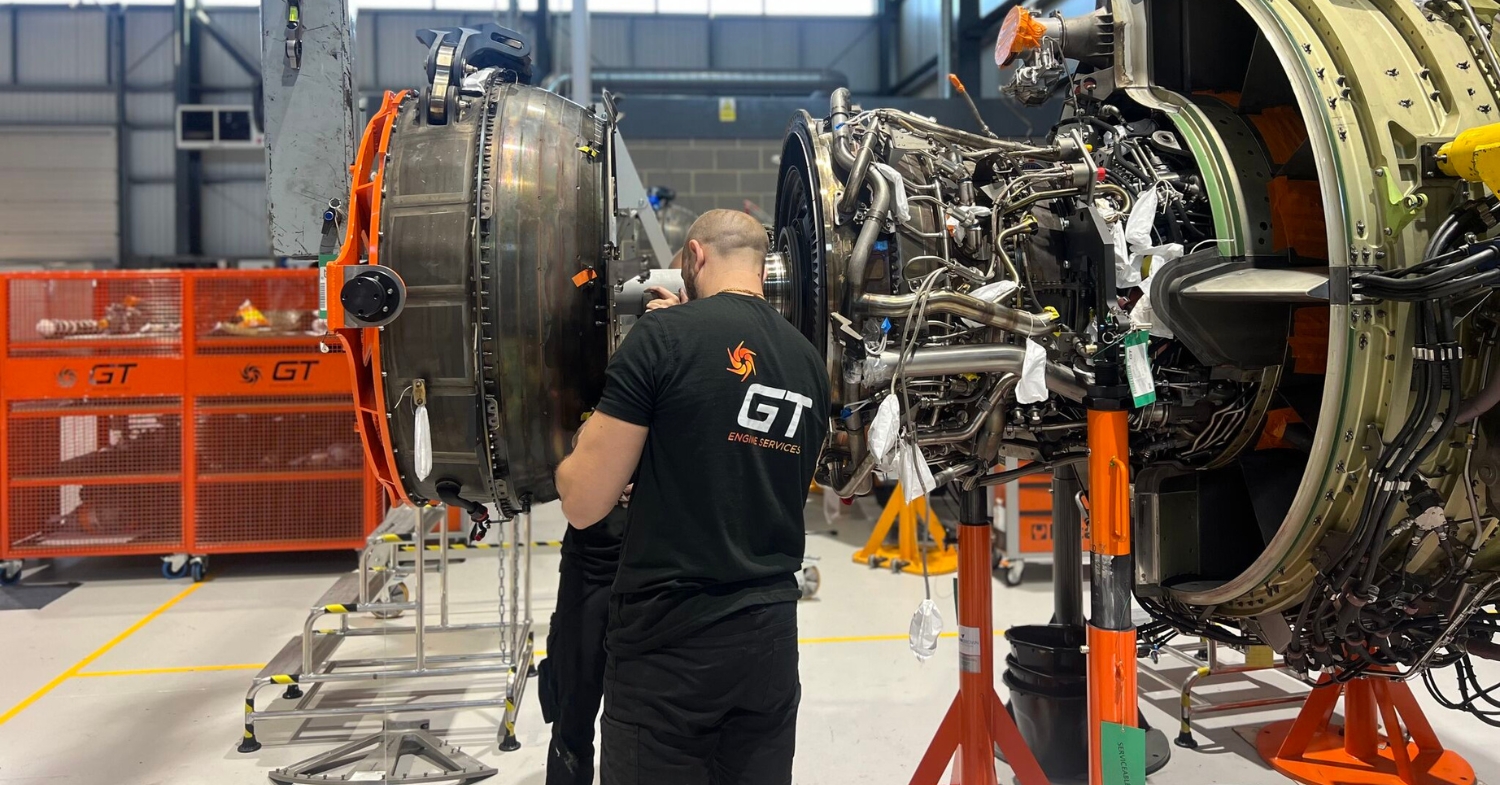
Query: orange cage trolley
x=174, y=413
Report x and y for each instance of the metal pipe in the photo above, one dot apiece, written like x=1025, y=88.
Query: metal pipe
x=851, y=488
x=691, y=81
x=1067, y=548
x=420, y=594
x=1482, y=40
x=579, y=49
x=945, y=48
x=959, y=435
x=1011, y=475
x=963, y=305
x=990, y=358
x=857, y=173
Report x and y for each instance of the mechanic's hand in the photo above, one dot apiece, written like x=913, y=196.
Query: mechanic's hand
x=664, y=298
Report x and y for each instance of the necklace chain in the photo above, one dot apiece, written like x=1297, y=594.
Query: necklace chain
x=744, y=292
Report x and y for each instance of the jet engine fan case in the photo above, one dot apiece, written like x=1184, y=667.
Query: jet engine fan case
x=488, y=219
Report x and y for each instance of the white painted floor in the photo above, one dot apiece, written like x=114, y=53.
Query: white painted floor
x=134, y=680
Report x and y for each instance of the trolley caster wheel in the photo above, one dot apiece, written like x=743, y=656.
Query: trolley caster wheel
x=10, y=574
x=874, y=562
x=292, y=693
x=175, y=566
x=809, y=580
x=396, y=593
x=1186, y=741
x=509, y=744
x=198, y=568
x=249, y=745
x=531, y=671
x=896, y=566
x=1014, y=573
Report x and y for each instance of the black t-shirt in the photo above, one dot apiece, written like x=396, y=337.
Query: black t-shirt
x=597, y=549
x=736, y=400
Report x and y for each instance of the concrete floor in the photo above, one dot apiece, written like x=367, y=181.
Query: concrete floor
x=134, y=680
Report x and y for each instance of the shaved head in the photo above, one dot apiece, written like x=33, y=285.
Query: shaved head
x=722, y=239
x=730, y=234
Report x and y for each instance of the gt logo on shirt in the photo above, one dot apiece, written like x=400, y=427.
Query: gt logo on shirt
x=765, y=413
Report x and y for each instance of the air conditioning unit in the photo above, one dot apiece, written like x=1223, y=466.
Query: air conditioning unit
x=216, y=127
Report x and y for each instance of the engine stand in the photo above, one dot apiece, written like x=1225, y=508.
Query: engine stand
x=976, y=721
x=907, y=556
x=1311, y=750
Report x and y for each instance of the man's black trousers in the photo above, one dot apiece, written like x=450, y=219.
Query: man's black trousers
x=571, y=679
x=719, y=708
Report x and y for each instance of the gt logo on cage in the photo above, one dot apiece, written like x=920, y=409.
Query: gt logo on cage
x=766, y=413
x=293, y=370
x=110, y=374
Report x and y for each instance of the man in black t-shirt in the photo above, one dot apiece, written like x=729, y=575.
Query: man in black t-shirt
x=718, y=408
x=570, y=682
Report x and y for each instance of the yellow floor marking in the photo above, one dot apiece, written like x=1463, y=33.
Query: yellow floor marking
x=99, y=652
x=246, y=666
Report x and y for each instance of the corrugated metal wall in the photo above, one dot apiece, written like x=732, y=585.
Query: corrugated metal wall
x=62, y=76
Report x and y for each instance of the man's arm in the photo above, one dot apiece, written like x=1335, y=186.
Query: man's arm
x=591, y=479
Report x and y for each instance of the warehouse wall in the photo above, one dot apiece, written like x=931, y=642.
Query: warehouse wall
x=61, y=74
x=711, y=173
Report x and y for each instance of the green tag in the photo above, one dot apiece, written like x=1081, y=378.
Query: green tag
x=1138, y=368
x=1123, y=754
x=323, y=260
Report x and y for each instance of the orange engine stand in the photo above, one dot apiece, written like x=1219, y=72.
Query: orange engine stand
x=1111, y=634
x=1311, y=750
x=907, y=555
x=976, y=721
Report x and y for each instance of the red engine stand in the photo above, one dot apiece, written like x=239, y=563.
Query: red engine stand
x=1310, y=750
x=977, y=719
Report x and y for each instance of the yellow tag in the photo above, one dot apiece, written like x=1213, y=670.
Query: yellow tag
x=589, y=151
x=1260, y=657
x=728, y=110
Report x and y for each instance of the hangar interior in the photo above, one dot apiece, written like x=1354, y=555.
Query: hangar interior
x=1156, y=338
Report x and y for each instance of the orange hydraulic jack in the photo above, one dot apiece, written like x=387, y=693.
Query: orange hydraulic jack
x=1111, y=656
x=976, y=721
x=1310, y=750
x=907, y=556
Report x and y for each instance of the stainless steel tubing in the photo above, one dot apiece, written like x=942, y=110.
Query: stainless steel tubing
x=993, y=358
x=958, y=304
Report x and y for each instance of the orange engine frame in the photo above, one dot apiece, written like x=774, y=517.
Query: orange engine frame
x=362, y=246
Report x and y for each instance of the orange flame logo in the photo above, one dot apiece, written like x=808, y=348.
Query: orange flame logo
x=741, y=361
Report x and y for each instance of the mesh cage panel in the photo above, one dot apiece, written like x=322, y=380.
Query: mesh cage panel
x=285, y=442
x=310, y=513
x=102, y=316
x=256, y=311
x=94, y=519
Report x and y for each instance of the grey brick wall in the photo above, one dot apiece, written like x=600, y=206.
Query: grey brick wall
x=710, y=173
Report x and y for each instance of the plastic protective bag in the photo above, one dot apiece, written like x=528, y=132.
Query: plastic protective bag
x=1143, y=314
x=926, y=626
x=885, y=428
x=1142, y=220
x=916, y=476
x=1033, y=385
x=423, y=448
x=1126, y=274
x=898, y=190
x=992, y=293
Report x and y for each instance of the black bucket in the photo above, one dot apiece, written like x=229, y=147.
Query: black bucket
x=1046, y=673
x=1055, y=728
x=1061, y=683
x=1049, y=648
